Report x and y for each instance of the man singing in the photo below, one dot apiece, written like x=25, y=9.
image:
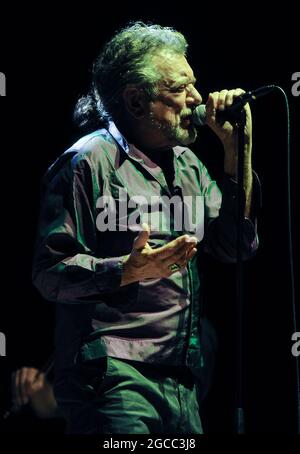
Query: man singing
x=123, y=212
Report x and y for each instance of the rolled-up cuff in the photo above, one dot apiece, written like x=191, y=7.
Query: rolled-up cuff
x=229, y=196
x=109, y=275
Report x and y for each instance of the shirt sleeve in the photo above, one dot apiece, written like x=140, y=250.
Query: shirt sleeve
x=65, y=267
x=221, y=218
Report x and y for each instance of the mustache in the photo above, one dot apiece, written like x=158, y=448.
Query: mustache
x=186, y=114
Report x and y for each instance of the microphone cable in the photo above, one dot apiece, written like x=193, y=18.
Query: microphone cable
x=290, y=246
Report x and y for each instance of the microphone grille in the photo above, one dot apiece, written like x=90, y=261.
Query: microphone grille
x=199, y=115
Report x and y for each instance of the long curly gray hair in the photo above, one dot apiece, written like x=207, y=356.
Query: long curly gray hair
x=126, y=59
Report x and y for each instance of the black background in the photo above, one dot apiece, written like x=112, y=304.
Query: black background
x=46, y=53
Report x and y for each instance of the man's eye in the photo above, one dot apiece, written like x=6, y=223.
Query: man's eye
x=179, y=89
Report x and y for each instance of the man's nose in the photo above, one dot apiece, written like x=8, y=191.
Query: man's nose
x=193, y=97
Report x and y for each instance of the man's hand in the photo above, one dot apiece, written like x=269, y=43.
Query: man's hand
x=29, y=385
x=25, y=383
x=226, y=131
x=145, y=262
x=228, y=134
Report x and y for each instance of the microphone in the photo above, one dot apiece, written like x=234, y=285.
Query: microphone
x=231, y=112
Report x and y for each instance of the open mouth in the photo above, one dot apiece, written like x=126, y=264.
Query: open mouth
x=186, y=122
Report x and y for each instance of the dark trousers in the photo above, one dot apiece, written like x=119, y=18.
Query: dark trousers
x=114, y=396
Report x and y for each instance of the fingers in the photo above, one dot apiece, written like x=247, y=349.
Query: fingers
x=191, y=254
x=211, y=106
x=180, y=256
x=18, y=387
x=221, y=100
x=142, y=238
x=178, y=246
x=148, y=263
x=182, y=261
x=23, y=381
x=175, y=248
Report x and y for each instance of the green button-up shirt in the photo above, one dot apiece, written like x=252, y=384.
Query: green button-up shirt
x=78, y=261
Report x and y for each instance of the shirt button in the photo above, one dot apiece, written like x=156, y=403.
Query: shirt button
x=193, y=341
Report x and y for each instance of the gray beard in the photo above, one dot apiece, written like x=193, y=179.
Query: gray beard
x=178, y=134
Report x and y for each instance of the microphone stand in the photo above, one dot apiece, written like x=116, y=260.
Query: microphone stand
x=239, y=423
x=237, y=117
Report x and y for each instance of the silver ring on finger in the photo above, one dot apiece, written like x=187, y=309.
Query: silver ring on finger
x=174, y=267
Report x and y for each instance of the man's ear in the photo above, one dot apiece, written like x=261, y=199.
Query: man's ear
x=135, y=101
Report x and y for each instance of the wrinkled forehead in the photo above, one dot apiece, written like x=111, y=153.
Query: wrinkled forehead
x=172, y=68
